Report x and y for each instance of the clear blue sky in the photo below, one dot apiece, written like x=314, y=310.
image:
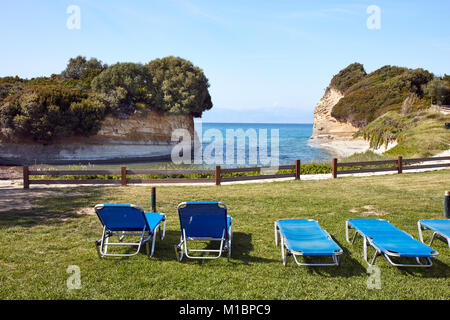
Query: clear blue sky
x=273, y=57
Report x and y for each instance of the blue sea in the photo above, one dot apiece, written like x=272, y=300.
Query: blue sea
x=292, y=145
x=292, y=141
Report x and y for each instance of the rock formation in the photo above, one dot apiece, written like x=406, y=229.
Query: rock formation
x=325, y=125
x=135, y=138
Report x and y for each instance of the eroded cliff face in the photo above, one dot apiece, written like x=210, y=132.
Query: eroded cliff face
x=154, y=128
x=135, y=138
x=325, y=125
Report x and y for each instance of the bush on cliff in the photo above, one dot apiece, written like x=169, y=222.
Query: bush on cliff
x=45, y=113
x=439, y=90
x=79, y=68
x=76, y=101
x=379, y=92
x=125, y=86
x=348, y=77
x=178, y=87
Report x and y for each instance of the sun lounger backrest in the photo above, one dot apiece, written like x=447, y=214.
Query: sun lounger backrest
x=203, y=219
x=378, y=228
x=121, y=217
x=440, y=225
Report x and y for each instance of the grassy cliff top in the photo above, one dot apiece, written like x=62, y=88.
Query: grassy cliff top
x=393, y=104
x=368, y=96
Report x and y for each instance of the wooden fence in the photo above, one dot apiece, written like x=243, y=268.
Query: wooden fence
x=217, y=173
x=220, y=175
x=398, y=165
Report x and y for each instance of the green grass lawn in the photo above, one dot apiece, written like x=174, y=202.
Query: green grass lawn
x=38, y=244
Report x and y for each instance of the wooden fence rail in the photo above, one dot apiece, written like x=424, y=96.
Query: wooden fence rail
x=398, y=165
x=222, y=174
x=124, y=173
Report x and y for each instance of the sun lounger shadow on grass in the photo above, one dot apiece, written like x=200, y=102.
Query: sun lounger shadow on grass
x=243, y=248
x=241, y=252
x=349, y=266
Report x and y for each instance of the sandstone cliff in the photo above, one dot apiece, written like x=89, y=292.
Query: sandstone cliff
x=335, y=135
x=325, y=125
x=135, y=138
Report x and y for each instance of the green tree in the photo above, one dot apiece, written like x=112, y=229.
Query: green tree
x=348, y=77
x=80, y=68
x=438, y=90
x=40, y=113
x=87, y=116
x=178, y=87
x=125, y=86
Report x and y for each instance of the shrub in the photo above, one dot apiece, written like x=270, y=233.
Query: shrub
x=80, y=68
x=77, y=100
x=125, y=86
x=178, y=87
x=348, y=77
x=379, y=92
x=45, y=113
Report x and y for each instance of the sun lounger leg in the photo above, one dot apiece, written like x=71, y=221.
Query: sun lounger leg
x=164, y=229
x=179, y=249
x=419, y=226
x=153, y=245
x=283, y=252
x=419, y=263
x=347, y=233
x=230, y=237
x=432, y=238
x=276, y=234
x=365, y=249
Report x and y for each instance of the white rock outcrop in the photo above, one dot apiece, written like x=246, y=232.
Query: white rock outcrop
x=135, y=138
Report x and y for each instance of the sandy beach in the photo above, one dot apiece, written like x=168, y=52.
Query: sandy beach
x=346, y=147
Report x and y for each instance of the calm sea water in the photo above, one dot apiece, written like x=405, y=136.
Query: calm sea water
x=292, y=140
x=292, y=145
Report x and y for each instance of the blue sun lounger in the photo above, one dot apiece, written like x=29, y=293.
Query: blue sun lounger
x=127, y=220
x=204, y=221
x=439, y=227
x=305, y=237
x=389, y=241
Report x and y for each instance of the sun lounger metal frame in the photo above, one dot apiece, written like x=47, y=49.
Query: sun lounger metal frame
x=225, y=240
x=285, y=251
x=378, y=252
x=145, y=235
x=422, y=227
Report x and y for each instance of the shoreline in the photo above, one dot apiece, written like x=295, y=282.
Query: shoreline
x=339, y=147
x=343, y=148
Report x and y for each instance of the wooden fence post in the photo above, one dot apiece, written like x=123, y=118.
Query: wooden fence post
x=400, y=164
x=297, y=169
x=26, y=178
x=218, y=178
x=334, y=166
x=124, y=176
